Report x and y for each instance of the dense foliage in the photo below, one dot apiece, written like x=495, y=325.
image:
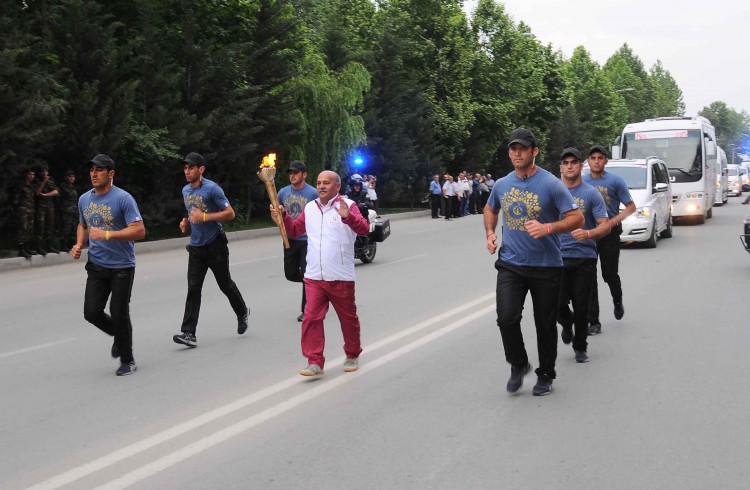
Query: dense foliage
x=414, y=86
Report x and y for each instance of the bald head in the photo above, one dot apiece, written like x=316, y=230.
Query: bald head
x=329, y=184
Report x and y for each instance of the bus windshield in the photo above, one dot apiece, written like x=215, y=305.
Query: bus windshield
x=679, y=148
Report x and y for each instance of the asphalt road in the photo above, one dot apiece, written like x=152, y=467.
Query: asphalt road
x=662, y=404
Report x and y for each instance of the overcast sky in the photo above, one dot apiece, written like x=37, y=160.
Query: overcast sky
x=705, y=45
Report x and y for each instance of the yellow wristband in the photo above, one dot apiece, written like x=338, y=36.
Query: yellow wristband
x=204, y=216
x=106, y=235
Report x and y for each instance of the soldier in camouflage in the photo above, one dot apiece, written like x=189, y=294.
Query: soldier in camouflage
x=68, y=211
x=44, y=219
x=24, y=204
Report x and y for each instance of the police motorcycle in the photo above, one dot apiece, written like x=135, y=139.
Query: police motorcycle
x=365, y=246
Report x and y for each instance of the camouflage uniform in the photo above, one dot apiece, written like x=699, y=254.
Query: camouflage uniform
x=25, y=212
x=69, y=214
x=44, y=220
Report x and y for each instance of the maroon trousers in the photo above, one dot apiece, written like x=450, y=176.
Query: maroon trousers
x=319, y=294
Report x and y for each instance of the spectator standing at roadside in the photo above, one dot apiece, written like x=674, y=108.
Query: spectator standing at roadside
x=459, y=193
x=436, y=193
x=449, y=196
x=332, y=222
x=44, y=220
x=110, y=220
x=24, y=203
x=484, y=193
x=372, y=193
x=476, y=194
x=532, y=201
x=294, y=198
x=466, y=189
x=68, y=211
x=207, y=207
x=578, y=250
x=615, y=191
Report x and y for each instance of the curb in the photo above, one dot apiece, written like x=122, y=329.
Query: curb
x=15, y=263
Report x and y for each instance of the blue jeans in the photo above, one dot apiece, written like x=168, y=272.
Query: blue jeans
x=513, y=283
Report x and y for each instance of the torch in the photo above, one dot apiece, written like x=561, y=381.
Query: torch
x=267, y=172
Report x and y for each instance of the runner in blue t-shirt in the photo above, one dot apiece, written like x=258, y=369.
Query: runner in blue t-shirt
x=207, y=207
x=294, y=198
x=532, y=201
x=110, y=219
x=615, y=192
x=579, y=254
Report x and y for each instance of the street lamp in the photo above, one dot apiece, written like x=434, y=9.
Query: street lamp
x=627, y=89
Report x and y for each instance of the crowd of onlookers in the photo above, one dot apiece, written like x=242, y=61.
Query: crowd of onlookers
x=460, y=196
x=47, y=213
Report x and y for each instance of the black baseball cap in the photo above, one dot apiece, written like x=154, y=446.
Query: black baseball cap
x=297, y=166
x=194, y=158
x=69, y=172
x=571, y=151
x=598, y=148
x=522, y=136
x=102, y=160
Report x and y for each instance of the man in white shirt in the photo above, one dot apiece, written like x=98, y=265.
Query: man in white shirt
x=331, y=223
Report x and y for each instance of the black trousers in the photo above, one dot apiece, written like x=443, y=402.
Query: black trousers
x=435, y=204
x=214, y=256
x=609, y=258
x=513, y=283
x=101, y=283
x=295, y=263
x=575, y=287
x=449, y=206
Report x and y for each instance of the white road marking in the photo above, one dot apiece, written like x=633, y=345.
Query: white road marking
x=185, y=427
x=35, y=347
x=223, y=435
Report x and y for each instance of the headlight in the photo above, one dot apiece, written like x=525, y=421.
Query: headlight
x=643, y=212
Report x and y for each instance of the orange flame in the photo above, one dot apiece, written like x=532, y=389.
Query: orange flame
x=269, y=161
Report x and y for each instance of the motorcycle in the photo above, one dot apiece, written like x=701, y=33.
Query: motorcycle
x=745, y=237
x=365, y=246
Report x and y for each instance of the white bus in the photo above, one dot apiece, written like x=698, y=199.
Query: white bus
x=688, y=146
x=722, y=184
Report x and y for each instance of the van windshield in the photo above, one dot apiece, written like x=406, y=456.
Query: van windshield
x=635, y=177
x=680, y=149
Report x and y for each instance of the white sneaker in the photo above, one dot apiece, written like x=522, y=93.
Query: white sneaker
x=351, y=364
x=312, y=370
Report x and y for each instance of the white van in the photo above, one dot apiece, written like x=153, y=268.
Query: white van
x=722, y=185
x=734, y=180
x=649, y=185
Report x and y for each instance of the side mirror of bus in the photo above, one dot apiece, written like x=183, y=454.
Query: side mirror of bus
x=661, y=187
x=615, y=152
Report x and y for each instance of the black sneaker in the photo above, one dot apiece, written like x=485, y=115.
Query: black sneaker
x=115, y=350
x=301, y=317
x=543, y=385
x=516, y=377
x=581, y=356
x=242, y=322
x=595, y=328
x=186, y=338
x=619, y=310
x=127, y=368
x=566, y=335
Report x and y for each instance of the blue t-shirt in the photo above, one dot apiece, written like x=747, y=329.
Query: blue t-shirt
x=542, y=197
x=209, y=198
x=294, y=201
x=613, y=189
x=112, y=211
x=591, y=203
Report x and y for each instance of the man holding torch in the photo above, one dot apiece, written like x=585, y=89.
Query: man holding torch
x=207, y=207
x=332, y=223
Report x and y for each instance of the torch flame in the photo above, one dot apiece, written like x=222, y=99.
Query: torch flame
x=269, y=161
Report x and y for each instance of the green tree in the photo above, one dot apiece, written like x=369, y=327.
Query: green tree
x=732, y=127
x=627, y=74
x=667, y=94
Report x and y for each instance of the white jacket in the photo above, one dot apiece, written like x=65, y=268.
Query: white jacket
x=330, y=240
